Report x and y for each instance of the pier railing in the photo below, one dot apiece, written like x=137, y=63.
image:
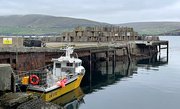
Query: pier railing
x=40, y=72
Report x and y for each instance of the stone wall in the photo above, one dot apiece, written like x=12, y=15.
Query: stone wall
x=99, y=34
x=51, y=39
x=5, y=77
x=149, y=38
x=16, y=41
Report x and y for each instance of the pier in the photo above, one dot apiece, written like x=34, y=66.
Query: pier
x=23, y=59
x=28, y=58
x=100, y=46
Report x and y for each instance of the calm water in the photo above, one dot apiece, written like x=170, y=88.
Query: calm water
x=142, y=84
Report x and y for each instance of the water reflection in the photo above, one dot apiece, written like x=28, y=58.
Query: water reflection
x=106, y=73
x=71, y=100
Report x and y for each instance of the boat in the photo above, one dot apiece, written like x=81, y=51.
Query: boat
x=66, y=76
x=71, y=100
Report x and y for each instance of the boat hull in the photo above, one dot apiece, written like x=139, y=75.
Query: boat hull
x=70, y=97
x=52, y=94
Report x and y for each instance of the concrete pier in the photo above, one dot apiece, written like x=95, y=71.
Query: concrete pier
x=28, y=58
x=6, y=78
x=22, y=59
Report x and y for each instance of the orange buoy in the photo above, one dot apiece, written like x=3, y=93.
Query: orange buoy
x=58, y=83
x=64, y=80
x=62, y=84
x=37, y=79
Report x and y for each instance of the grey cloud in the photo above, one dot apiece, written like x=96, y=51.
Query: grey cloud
x=110, y=11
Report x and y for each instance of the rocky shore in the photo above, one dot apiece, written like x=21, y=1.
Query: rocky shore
x=22, y=100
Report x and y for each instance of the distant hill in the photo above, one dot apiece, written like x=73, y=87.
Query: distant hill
x=52, y=25
x=152, y=28
x=41, y=24
x=172, y=33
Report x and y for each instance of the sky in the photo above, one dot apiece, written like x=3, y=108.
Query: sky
x=109, y=11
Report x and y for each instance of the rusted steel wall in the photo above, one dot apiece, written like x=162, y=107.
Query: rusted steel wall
x=23, y=61
x=29, y=61
x=49, y=56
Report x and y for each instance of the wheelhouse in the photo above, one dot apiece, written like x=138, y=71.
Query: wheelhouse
x=65, y=68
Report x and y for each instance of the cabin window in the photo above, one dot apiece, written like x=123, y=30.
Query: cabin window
x=77, y=64
x=58, y=65
x=69, y=64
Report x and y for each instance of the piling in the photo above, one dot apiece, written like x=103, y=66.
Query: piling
x=6, y=78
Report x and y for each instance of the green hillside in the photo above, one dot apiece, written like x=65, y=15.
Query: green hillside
x=172, y=33
x=51, y=25
x=153, y=28
x=41, y=24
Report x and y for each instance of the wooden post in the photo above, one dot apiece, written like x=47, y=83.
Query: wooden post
x=11, y=59
x=114, y=58
x=129, y=57
x=45, y=58
x=94, y=62
x=167, y=51
x=16, y=59
x=13, y=85
x=150, y=54
x=159, y=51
x=113, y=62
x=90, y=73
x=123, y=51
x=128, y=69
x=107, y=61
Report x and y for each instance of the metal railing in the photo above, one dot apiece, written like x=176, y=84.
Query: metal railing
x=20, y=74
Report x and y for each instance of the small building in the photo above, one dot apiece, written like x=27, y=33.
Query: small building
x=99, y=34
x=6, y=41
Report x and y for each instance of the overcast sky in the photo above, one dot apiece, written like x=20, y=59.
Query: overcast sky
x=109, y=11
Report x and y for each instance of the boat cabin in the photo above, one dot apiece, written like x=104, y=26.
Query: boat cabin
x=65, y=67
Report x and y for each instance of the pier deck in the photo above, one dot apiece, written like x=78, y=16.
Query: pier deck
x=27, y=58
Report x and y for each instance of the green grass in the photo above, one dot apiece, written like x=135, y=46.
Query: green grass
x=51, y=25
x=153, y=28
x=33, y=31
x=153, y=31
x=41, y=24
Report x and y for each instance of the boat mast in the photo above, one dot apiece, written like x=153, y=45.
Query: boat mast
x=69, y=51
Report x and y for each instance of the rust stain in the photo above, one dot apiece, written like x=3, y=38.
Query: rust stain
x=30, y=61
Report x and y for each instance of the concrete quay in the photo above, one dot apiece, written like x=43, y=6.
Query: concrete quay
x=28, y=58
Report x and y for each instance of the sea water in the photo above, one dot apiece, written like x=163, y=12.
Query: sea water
x=141, y=84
